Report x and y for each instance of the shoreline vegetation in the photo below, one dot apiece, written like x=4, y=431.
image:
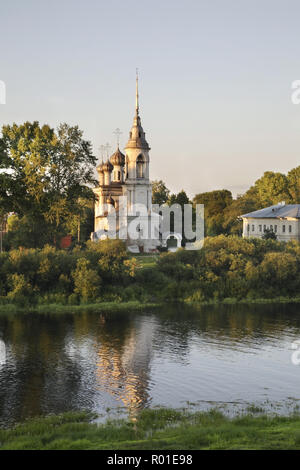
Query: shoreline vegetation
x=155, y=429
x=101, y=307
x=104, y=276
x=132, y=307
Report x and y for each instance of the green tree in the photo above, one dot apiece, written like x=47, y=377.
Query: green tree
x=232, y=224
x=215, y=202
x=46, y=174
x=279, y=271
x=160, y=193
x=27, y=232
x=81, y=223
x=20, y=289
x=5, y=179
x=293, y=178
x=87, y=282
x=269, y=234
x=180, y=198
x=272, y=188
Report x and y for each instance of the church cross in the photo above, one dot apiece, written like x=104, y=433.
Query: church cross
x=118, y=133
x=107, y=148
x=102, y=151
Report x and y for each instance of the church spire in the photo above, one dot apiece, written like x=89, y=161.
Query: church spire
x=137, y=93
x=137, y=137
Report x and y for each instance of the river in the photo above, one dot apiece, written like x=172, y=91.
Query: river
x=229, y=356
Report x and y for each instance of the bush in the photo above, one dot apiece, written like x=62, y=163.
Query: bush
x=21, y=290
x=86, y=281
x=226, y=267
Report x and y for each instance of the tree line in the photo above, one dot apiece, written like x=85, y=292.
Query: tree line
x=227, y=267
x=47, y=176
x=222, y=211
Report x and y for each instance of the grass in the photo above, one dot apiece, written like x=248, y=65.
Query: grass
x=145, y=260
x=131, y=306
x=101, y=307
x=246, y=301
x=155, y=429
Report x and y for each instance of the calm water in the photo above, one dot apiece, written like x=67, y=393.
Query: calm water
x=229, y=356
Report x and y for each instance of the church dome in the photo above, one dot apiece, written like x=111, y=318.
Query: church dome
x=100, y=168
x=107, y=166
x=137, y=137
x=118, y=158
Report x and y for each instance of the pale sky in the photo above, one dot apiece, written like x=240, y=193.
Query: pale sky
x=215, y=80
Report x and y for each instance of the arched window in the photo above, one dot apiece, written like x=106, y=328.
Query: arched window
x=140, y=166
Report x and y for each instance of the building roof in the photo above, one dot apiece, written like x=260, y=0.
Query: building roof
x=107, y=166
x=278, y=211
x=99, y=168
x=137, y=137
x=117, y=158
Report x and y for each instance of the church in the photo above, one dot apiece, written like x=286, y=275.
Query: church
x=123, y=207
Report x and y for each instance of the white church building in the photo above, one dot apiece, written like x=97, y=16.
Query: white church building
x=124, y=195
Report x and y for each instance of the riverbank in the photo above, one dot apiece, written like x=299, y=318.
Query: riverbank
x=226, y=270
x=133, y=306
x=246, y=301
x=155, y=429
x=101, y=307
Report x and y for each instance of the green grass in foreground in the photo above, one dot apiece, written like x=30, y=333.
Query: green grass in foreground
x=155, y=429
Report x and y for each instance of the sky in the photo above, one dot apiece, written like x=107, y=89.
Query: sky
x=215, y=80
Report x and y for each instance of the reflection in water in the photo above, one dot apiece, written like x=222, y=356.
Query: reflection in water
x=90, y=361
x=123, y=367
x=2, y=353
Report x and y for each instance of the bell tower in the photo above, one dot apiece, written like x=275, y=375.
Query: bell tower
x=127, y=175
x=137, y=184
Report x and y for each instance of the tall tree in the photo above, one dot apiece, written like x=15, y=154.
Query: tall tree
x=47, y=172
x=215, y=203
x=272, y=188
x=180, y=198
x=160, y=192
x=293, y=178
x=4, y=178
x=232, y=223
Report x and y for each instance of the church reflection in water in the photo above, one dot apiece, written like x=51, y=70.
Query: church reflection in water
x=123, y=365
